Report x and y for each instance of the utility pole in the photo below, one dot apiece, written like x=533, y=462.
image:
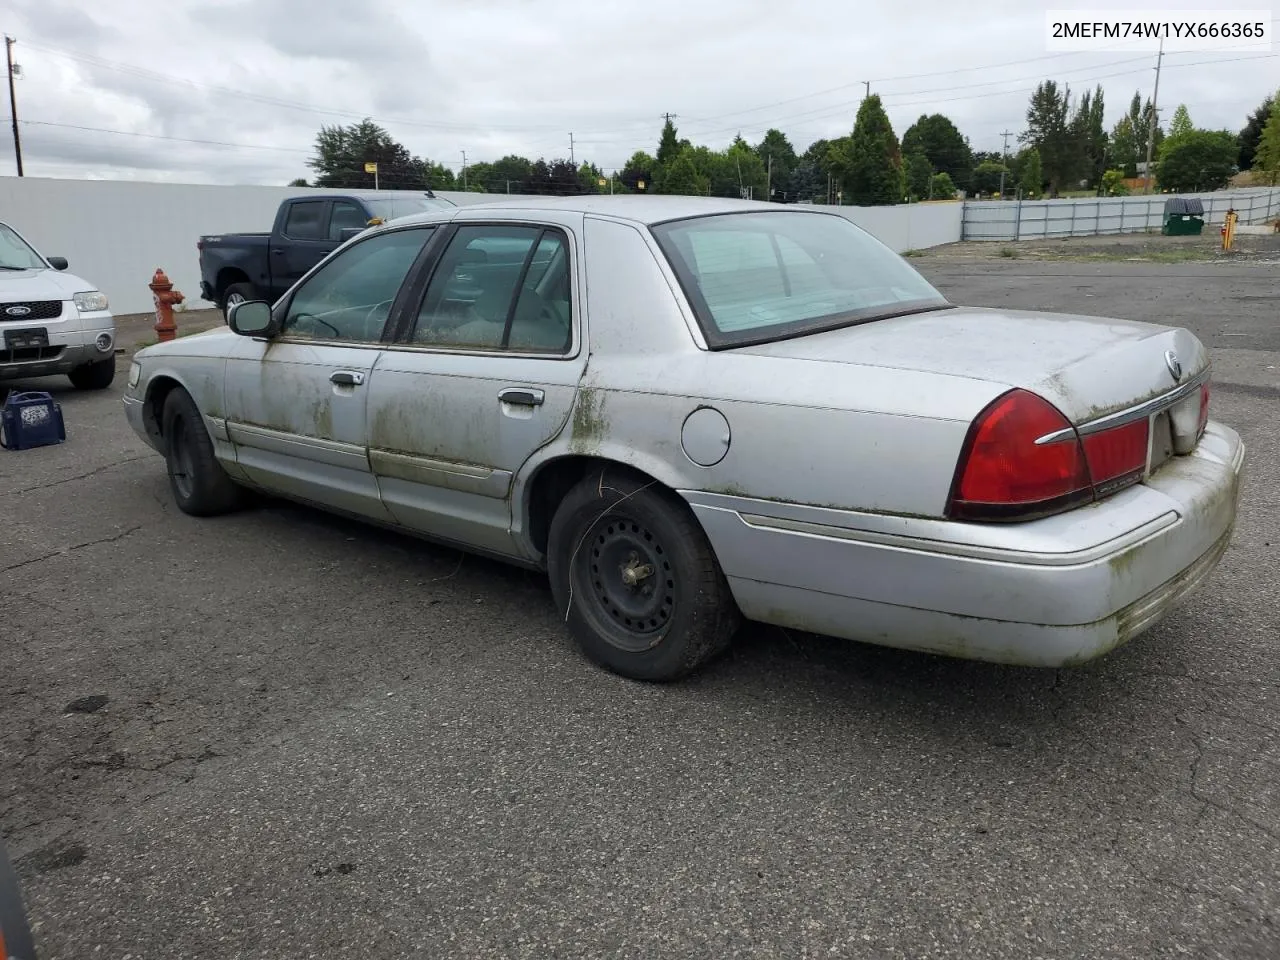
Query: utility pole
x=464, y=171
x=1004, y=158
x=867, y=84
x=768, y=183
x=13, y=102
x=668, y=117
x=1155, y=113
x=571, y=158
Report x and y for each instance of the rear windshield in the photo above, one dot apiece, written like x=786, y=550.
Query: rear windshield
x=756, y=277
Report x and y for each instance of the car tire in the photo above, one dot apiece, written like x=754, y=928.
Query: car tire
x=199, y=485
x=237, y=293
x=672, y=612
x=94, y=376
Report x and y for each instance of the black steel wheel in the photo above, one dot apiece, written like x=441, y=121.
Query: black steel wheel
x=635, y=578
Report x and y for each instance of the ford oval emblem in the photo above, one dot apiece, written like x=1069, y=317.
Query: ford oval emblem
x=1174, y=364
x=18, y=310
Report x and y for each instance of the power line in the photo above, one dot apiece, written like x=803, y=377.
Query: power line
x=157, y=136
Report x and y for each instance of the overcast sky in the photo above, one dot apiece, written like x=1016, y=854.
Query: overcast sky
x=259, y=77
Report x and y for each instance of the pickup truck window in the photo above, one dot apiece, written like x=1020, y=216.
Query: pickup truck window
x=304, y=220
x=349, y=298
x=345, y=214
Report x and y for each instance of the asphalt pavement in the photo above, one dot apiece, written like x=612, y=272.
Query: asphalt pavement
x=283, y=735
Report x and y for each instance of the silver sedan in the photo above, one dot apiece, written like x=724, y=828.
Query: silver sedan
x=691, y=411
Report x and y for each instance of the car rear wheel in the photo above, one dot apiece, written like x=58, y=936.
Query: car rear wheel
x=237, y=293
x=200, y=486
x=94, y=376
x=636, y=580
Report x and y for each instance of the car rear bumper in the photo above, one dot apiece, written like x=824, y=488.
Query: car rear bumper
x=1050, y=592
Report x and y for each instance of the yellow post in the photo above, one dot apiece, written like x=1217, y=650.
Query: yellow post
x=1229, y=229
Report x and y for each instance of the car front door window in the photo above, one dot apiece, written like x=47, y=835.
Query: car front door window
x=350, y=297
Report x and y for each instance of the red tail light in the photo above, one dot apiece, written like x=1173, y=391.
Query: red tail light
x=1009, y=471
x=1204, y=409
x=1004, y=474
x=1117, y=457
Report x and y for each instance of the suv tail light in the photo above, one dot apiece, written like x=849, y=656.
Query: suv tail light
x=1009, y=470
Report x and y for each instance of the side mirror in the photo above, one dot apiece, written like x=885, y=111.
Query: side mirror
x=349, y=232
x=58, y=263
x=251, y=318
x=15, y=933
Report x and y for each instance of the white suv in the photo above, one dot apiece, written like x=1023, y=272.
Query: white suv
x=51, y=322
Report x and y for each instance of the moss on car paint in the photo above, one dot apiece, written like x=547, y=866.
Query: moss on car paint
x=589, y=421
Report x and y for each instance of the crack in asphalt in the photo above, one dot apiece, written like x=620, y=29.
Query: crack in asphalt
x=80, y=476
x=72, y=549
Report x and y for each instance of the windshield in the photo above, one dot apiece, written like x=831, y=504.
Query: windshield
x=755, y=277
x=16, y=253
x=389, y=209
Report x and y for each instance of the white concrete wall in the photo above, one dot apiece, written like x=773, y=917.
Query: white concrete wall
x=115, y=233
x=910, y=226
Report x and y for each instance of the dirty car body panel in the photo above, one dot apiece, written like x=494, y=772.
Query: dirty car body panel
x=819, y=421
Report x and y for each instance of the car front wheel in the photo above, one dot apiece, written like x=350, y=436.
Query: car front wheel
x=636, y=580
x=200, y=486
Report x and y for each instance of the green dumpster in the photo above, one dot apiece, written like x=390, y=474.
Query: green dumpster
x=1183, y=217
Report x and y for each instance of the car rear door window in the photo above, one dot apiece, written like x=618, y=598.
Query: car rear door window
x=304, y=220
x=499, y=288
x=350, y=296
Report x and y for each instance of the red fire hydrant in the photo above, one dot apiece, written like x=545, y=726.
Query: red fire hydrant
x=165, y=297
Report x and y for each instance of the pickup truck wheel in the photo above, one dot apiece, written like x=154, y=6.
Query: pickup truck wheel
x=94, y=376
x=237, y=293
x=200, y=486
x=636, y=579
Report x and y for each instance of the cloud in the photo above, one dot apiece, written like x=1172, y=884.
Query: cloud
x=493, y=77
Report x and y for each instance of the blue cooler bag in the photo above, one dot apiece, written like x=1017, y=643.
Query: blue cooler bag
x=32, y=419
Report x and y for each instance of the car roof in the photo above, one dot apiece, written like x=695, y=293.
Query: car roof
x=646, y=209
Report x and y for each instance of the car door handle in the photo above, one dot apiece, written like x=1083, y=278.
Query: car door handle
x=278, y=251
x=347, y=378
x=523, y=396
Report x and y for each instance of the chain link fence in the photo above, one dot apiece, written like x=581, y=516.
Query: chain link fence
x=1092, y=216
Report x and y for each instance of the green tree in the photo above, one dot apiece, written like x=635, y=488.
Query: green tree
x=1030, y=174
x=641, y=168
x=1267, y=157
x=808, y=184
x=1049, y=131
x=341, y=153
x=299, y=182
x=507, y=174
x=1252, y=132
x=986, y=176
x=479, y=178
x=779, y=158
x=943, y=145
x=918, y=172
x=1181, y=123
x=872, y=161
x=1129, y=137
x=1199, y=160
x=747, y=169
x=1091, y=136
x=680, y=176
x=1113, y=184
x=941, y=187
x=669, y=145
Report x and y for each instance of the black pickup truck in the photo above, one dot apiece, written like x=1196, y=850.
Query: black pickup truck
x=262, y=266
